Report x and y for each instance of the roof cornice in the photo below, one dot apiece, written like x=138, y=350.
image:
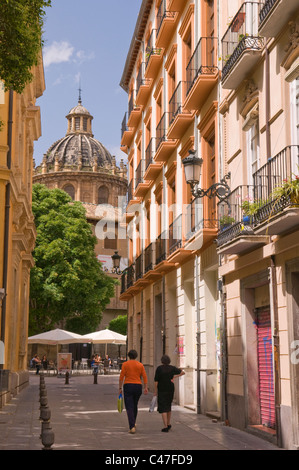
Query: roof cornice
x=135, y=43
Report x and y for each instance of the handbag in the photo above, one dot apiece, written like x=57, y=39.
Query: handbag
x=153, y=404
x=120, y=403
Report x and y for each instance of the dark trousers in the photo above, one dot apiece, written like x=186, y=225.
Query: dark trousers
x=132, y=393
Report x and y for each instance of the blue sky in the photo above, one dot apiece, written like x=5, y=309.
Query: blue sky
x=89, y=39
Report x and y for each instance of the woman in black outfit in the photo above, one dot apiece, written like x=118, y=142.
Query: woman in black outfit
x=164, y=388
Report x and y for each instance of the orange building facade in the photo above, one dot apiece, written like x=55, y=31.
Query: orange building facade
x=212, y=281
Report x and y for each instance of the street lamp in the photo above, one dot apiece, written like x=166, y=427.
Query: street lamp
x=192, y=166
x=116, y=262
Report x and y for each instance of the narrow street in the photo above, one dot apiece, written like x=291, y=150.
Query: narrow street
x=84, y=416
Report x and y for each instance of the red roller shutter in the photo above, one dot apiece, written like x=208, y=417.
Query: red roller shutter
x=265, y=365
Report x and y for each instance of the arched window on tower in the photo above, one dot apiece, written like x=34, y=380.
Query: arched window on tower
x=70, y=190
x=103, y=195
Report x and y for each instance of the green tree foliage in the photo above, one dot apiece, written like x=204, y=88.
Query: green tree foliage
x=119, y=324
x=67, y=286
x=21, y=25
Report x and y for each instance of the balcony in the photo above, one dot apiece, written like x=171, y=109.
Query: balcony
x=236, y=235
x=199, y=231
x=177, y=5
x=166, y=21
x=176, y=253
x=164, y=147
x=127, y=133
x=277, y=213
x=141, y=186
x=152, y=168
x=149, y=262
x=274, y=14
x=134, y=112
x=179, y=117
x=241, y=46
x=144, y=86
x=202, y=73
x=162, y=266
x=154, y=57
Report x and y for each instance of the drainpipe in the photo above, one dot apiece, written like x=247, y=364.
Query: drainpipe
x=275, y=347
x=6, y=226
x=163, y=316
x=198, y=336
x=224, y=406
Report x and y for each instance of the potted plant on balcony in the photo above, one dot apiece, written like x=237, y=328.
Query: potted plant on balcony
x=249, y=210
x=225, y=221
x=289, y=190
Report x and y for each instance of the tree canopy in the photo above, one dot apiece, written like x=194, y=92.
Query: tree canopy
x=67, y=283
x=119, y=324
x=21, y=27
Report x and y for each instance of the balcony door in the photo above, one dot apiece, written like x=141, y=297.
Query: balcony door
x=253, y=150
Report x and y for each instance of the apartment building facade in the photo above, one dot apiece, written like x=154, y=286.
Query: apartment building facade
x=259, y=248
x=21, y=126
x=211, y=288
x=171, y=77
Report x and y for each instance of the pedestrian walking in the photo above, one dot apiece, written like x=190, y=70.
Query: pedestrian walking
x=132, y=372
x=164, y=389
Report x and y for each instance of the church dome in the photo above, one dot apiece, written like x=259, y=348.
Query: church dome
x=78, y=150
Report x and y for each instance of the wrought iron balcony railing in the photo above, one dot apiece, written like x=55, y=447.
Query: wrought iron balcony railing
x=266, y=9
x=131, y=102
x=161, y=130
x=162, y=14
x=149, y=153
x=123, y=287
x=175, y=235
x=203, y=60
x=130, y=190
x=141, y=80
x=151, y=48
x=161, y=247
x=148, y=258
x=139, y=267
x=124, y=126
x=139, y=173
x=282, y=167
x=130, y=275
x=176, y=101
x=257, y=203
x=242, y=35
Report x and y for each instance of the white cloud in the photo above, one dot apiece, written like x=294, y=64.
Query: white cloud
x=82, y=56
x=57, y=53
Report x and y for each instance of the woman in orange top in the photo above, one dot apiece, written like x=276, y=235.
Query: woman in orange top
x=130, y=379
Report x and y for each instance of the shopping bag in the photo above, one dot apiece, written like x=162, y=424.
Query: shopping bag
x=153, y=404
x=120, y=403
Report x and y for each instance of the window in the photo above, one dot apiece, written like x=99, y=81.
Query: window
x=110, y=243
x=85, y=124
x=295, y=124
x=70, y=190
x=77, y=123
x=103, y=195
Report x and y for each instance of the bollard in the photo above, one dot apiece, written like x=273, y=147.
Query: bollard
x=67, y=375
x=47, y=438
x=95, y=378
